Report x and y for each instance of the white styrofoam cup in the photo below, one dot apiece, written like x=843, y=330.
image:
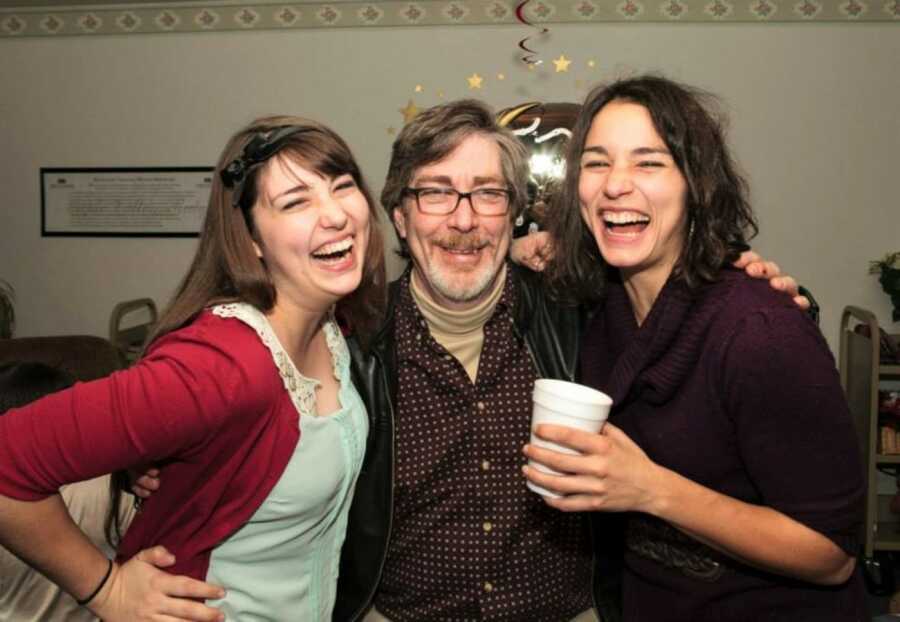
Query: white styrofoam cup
x=569, y=404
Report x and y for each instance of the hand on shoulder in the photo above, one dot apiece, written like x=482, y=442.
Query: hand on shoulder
x=759, y=268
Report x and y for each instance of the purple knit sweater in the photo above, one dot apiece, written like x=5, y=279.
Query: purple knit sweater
x=733, y=387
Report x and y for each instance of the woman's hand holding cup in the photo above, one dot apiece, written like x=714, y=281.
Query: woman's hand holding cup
x=580, y=462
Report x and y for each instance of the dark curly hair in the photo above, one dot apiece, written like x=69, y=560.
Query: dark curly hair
x=720, y=219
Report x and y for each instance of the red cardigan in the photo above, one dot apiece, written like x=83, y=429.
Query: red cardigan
x=206, y=403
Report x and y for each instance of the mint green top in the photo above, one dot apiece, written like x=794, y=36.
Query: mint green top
x=283, y=564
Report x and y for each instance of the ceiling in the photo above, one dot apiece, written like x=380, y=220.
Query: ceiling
x=9, y=4
x=43, y=4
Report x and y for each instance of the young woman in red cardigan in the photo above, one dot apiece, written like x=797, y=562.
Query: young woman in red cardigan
x=243, y=395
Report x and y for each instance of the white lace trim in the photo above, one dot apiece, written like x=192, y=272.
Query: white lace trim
x=301, y=389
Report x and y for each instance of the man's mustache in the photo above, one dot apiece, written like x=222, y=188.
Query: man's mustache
x=462, y=242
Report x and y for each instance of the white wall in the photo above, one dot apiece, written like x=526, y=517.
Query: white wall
x=814, y=123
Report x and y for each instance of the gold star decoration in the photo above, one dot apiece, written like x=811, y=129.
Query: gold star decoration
x=476, y=82
x=409, y=113
x=562, y=63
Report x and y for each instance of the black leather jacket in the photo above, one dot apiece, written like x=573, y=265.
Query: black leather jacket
x=553, y=334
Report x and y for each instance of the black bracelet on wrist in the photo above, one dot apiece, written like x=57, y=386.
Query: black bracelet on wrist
x=103, y=581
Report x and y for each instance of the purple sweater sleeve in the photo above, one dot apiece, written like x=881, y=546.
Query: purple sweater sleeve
x=793, y=427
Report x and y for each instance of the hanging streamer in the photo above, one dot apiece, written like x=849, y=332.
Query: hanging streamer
x=520, y=15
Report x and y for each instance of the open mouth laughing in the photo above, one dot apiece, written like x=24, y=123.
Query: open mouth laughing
x=334, y=252
x=625, y=223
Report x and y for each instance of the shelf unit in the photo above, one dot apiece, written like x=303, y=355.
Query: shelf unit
x=861, y=374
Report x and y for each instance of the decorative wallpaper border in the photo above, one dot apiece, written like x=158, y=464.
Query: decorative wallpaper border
x=261, y=15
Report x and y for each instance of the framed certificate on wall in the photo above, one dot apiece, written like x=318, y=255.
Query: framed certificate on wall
x=124, y=202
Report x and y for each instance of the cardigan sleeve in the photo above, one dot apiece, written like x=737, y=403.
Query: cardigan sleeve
x=793, y=427
x=186, y=388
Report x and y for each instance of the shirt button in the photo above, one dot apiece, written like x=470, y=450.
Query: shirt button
x=485, y=465
x=418, y=336
x=447, y=357
x=487, y=527
x=488, y=586
x=480, y=405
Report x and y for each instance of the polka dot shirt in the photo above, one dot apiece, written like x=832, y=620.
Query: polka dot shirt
x=469, y=541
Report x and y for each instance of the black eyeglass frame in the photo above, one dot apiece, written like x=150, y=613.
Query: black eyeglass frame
x=459, y=197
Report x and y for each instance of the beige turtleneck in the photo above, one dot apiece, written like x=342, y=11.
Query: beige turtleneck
x=460, y=332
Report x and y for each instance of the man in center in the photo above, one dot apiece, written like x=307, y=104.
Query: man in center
x=442, y=526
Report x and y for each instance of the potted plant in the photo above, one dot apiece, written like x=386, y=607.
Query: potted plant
x=7, y=312
x=888, y=269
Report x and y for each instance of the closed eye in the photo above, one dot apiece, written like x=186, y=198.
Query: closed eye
x=295, y=203
x=651, y=164
x=595, y=164
x=344, y=183
x=491, y=194
x=436, y=193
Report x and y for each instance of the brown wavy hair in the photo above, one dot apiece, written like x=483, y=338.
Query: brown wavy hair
x=225, y=267
x=434, y=134
x=720, y=219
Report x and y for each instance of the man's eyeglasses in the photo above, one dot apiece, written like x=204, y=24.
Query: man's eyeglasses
x=444, y=201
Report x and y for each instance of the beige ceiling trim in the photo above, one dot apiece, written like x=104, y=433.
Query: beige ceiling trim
x=99, y=19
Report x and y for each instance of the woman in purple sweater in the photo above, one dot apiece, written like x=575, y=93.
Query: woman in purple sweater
x=731, y=451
